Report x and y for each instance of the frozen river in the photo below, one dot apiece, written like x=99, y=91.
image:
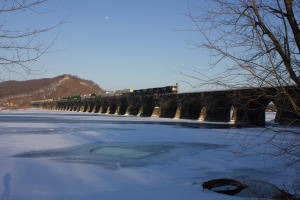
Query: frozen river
x=68, y=155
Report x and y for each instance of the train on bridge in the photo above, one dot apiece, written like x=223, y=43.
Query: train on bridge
x=148, y=91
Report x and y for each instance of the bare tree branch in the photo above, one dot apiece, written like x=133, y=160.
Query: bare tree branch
x=20, y=48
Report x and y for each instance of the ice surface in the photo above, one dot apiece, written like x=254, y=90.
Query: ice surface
x=70, y=155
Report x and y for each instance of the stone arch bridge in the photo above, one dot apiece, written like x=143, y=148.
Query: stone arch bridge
x=240, y=106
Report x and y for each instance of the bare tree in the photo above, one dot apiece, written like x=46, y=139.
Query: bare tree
x=19, y=48
x=259, y=40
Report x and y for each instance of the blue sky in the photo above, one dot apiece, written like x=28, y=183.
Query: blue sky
x=118, y=44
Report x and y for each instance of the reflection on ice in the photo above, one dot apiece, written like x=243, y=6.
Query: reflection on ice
x=6, y=186
x=114, y=155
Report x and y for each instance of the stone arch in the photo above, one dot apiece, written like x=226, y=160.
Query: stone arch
x=217, y=106
x=104, y=106
x=112, y=107
x=91, y=106
x=122, y=106
x=79, y=105
x=252, y=111
x=97, y=107
x=191, y=108
x=168, y=108
x=147, y=106
x=133, y=109
x=85, y=107
x=134, y=103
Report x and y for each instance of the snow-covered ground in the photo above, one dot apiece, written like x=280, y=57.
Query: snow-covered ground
x=68, y=155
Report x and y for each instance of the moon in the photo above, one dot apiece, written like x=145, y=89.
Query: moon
x=106, y=18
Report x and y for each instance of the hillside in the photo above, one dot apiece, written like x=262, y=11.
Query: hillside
x=19, y=94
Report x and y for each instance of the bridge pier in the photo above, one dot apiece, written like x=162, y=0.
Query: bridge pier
x=112, y=107
x=90, y=107
x=147, y=107
x=286, y=113
x=97, y=107
x=134, y=110
x=85, y=108
x=78, y=107
x=134, y=106
x=216, y=107
x=168, y=107
x=67, y=107
x=122, y=103
x=220, y=114
x=74, y=107
x=255, y=116
x=104, y=106
x=178, y=112
x=190, y=106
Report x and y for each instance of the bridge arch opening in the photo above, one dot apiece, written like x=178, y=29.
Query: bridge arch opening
x=270, y=112
x=233, y=113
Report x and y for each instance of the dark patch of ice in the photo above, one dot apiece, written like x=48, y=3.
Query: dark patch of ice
x=115, y=155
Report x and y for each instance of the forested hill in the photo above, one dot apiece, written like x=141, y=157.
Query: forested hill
x=19, y=94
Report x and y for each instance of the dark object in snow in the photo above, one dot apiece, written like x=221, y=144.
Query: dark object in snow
x=225, y=186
